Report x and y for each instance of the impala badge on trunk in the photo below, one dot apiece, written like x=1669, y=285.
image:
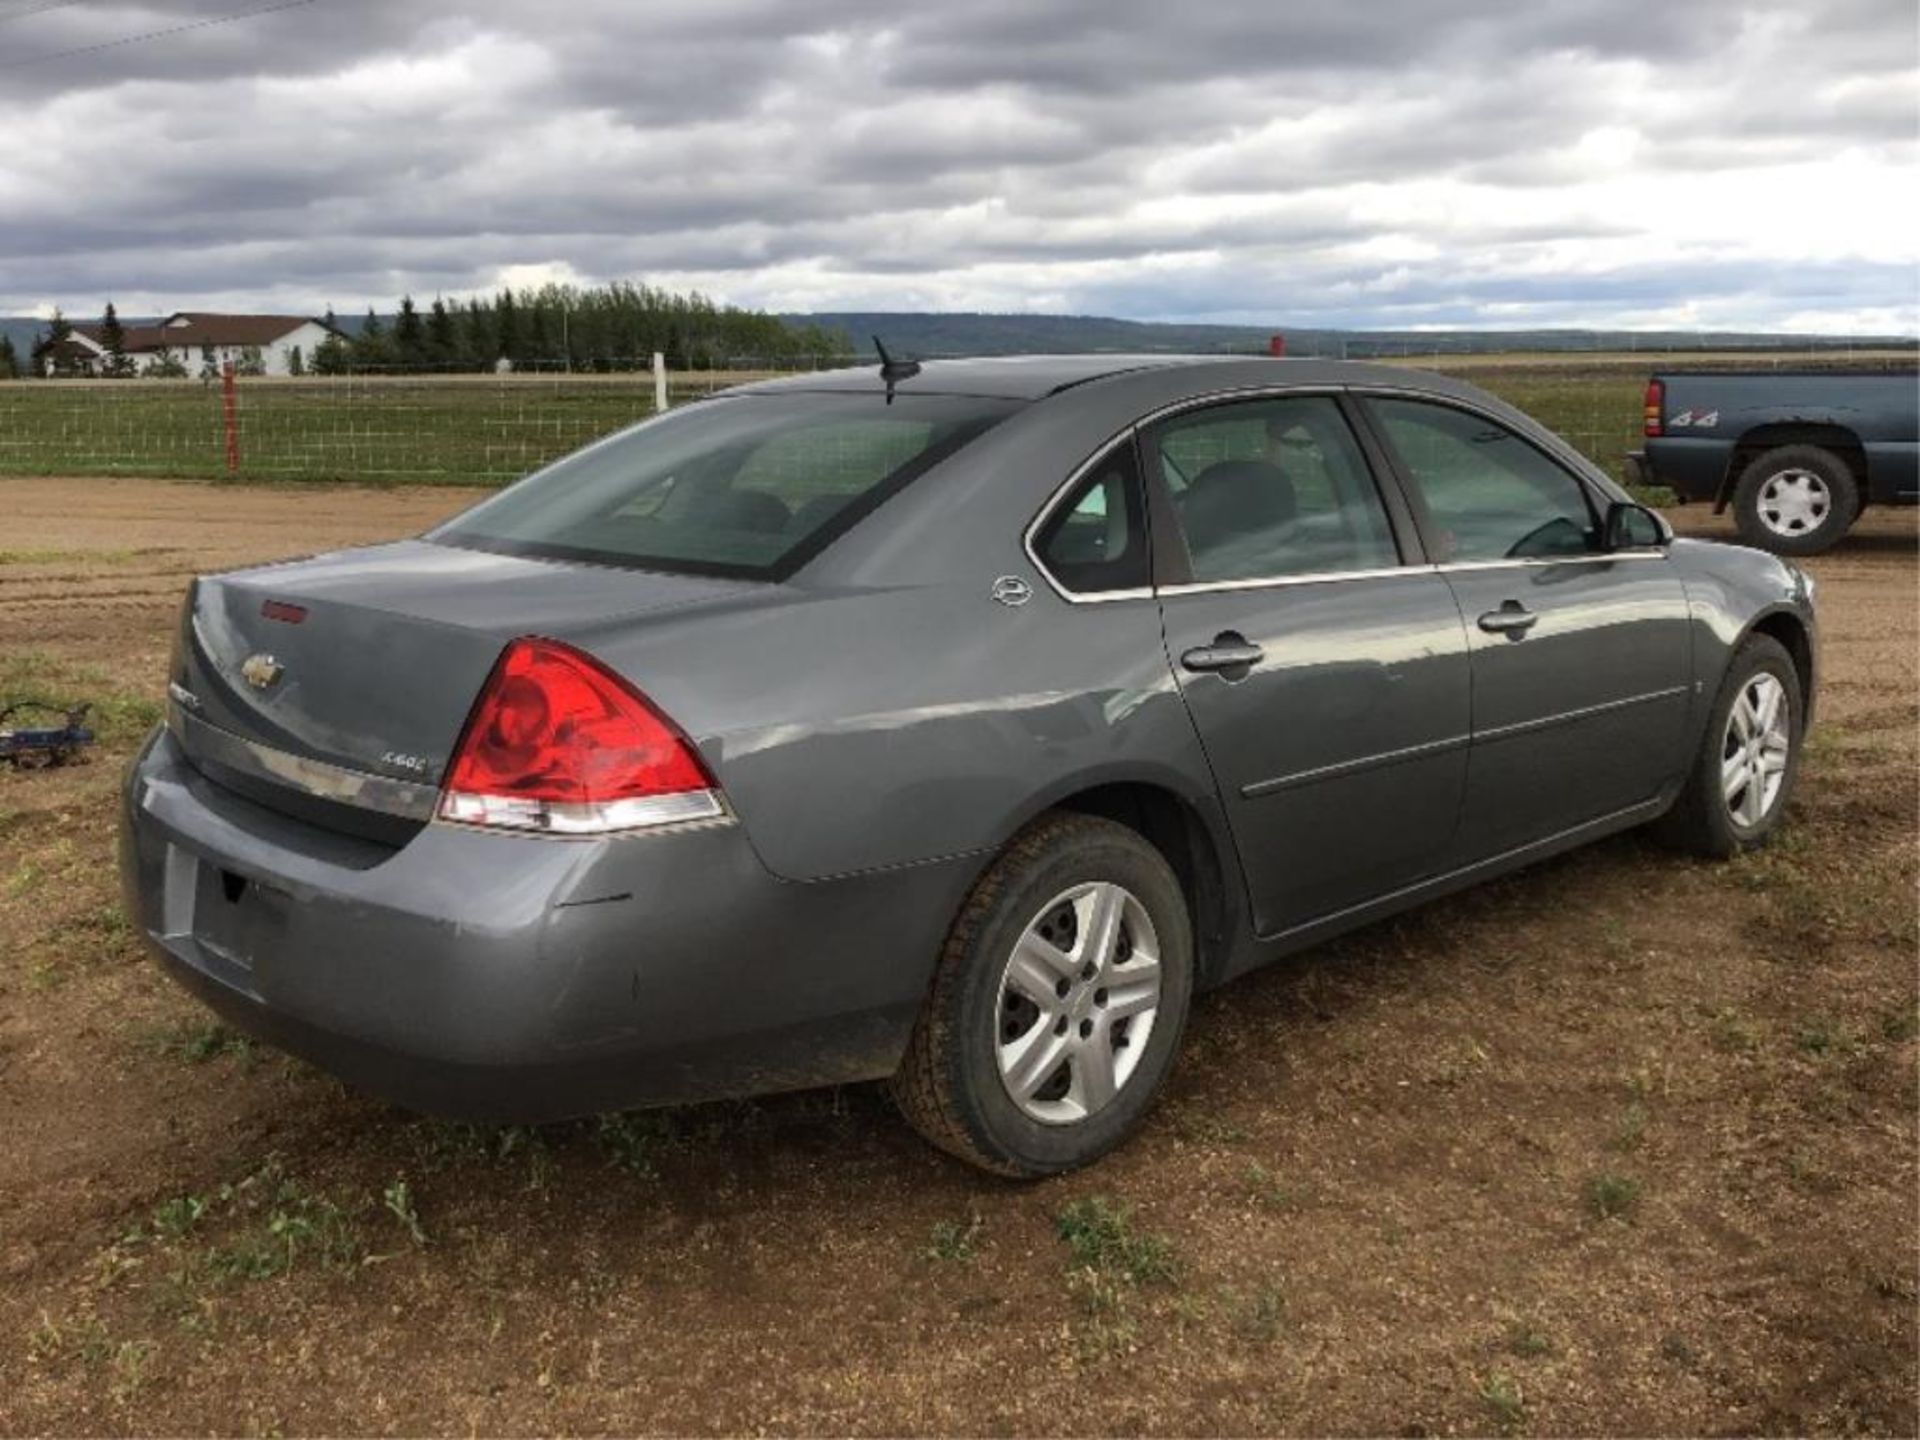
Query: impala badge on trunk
x=260, y=671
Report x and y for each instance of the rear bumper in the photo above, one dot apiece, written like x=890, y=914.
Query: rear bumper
x=513, y=978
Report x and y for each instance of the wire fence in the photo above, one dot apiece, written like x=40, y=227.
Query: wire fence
x=399, y=427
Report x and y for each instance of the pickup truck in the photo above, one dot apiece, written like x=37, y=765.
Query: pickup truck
x=1797, y=454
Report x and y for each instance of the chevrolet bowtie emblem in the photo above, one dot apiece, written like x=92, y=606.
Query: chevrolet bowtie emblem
x=260, y=671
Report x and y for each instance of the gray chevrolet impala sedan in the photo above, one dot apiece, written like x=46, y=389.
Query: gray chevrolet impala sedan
x=949, y=724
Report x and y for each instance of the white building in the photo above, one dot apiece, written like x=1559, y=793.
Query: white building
x=192, y=337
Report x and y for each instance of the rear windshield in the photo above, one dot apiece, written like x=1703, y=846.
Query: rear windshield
x=747, y=485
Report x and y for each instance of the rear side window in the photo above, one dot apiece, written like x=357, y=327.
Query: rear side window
x=1097, y=539
x=1271, y=488
x=1489, y=493
x=749, y=485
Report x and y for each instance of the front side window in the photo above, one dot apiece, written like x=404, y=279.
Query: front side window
x=748, y=485
x=1270, y=488
x=1096, y=540
x=1490, y=494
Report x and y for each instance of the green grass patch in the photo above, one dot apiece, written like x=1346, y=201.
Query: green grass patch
x=1735, y=1033
x=1826, y=1038
x=1501, y=1394
x=1613, y=1197
x=294, y=1226
x=81, y=1339
x=262, y=1226
x=197, y=1042
x=956, y=1240
x=1258, y=1317
x=1103, y=1238
x=398, y=1198
x=1527, y=1340
x=1106, y=1325
x=1631, y=1132
x=634, y=1142
x=1269, y=1189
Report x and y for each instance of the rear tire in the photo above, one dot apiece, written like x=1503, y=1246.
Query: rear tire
x=1718, y=815
x=1796, y=500
x=1057, y=1004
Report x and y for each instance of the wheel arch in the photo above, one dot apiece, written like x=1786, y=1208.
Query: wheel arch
x=1796, y=638
x=1839, y=440
x=1189, y=832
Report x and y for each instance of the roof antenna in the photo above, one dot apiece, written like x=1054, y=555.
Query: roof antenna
x=894, y=371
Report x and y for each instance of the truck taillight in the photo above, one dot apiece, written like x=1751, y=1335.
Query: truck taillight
x=1653, y=408
x=559, y=744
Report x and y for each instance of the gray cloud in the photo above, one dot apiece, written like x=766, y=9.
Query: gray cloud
x=1406, y=161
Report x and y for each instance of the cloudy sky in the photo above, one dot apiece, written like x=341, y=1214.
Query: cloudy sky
x=1373, y=163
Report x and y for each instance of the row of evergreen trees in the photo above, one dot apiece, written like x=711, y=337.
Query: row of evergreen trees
x=554, y=327
x=601, y=328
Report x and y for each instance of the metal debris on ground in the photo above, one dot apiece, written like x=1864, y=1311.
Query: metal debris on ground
x=33, y=746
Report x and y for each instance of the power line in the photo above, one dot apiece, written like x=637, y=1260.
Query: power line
x=36, y=10
x=151, y=34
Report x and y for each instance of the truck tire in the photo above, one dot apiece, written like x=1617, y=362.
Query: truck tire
x=1795, y=500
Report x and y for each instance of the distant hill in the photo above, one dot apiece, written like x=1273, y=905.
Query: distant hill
x=934, y=334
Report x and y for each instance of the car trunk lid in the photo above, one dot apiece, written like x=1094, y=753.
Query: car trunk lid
x=337, y=687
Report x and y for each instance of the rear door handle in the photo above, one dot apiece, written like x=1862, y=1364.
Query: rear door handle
x=1229, y=651
x=1512, y=620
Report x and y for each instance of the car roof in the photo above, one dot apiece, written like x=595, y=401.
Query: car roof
x=1034, y=377
x=1006, y=377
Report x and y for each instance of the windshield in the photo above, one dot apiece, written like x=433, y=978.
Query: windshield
x=749, y=485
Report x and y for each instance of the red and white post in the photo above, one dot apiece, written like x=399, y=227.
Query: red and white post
x=230, y=417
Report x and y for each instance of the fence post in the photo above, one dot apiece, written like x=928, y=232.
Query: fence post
x=230, y=414
x=659, y=383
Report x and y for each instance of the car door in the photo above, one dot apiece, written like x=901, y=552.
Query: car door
x=1581, y=656
x=1324, y=664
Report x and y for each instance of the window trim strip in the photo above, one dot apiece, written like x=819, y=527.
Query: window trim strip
x=1328, y=577
x=1321, y=577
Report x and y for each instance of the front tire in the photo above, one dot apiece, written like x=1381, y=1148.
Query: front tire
x=1749, y=757
x=1057, y=1005
x=1796, y=500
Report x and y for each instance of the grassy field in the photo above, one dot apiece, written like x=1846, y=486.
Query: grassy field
x=486, y=430
x=382, y=430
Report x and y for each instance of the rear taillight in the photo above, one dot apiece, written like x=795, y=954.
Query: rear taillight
x=1653, y=407
x=558, y=743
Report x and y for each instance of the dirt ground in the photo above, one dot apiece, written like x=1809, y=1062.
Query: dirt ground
x=1623, y=1144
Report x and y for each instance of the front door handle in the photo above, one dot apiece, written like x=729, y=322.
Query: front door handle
x=1512, y=620
x=1229, y=652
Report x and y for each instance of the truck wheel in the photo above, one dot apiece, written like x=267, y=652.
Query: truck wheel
x=1796, y=500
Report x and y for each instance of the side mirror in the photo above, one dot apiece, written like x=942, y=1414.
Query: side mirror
x=1635, y=527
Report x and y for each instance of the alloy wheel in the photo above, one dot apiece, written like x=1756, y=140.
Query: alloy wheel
x=1754, y=751
x=1078, y=999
